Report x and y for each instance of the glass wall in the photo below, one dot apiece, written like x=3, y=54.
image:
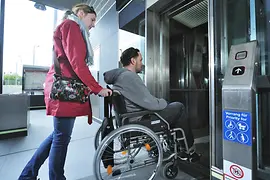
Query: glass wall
x=28, y=36
x=132, y=29
x=134, y=40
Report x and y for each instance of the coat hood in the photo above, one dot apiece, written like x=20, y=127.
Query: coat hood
x=111, y=76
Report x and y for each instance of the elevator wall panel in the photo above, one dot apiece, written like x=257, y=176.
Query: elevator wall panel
x=152, y=51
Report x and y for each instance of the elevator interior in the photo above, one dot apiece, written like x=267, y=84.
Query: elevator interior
x=188, y=63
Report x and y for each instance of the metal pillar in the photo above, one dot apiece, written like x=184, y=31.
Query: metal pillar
x=239, y=112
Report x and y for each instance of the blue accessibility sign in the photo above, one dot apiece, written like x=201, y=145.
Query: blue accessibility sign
x=237, y=127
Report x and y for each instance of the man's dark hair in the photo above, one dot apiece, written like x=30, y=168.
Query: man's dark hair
x=128, y=54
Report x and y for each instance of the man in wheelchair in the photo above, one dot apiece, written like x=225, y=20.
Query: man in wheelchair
x=138, y=98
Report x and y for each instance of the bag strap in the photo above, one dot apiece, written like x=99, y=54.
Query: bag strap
x=56, y=63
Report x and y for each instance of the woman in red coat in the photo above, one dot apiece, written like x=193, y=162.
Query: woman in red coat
x=74, y=52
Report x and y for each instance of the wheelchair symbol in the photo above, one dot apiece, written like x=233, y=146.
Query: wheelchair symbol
x=242, y=138
x=230, y=124
x=230, y=135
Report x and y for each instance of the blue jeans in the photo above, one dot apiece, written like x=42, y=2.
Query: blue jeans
x=55, y=146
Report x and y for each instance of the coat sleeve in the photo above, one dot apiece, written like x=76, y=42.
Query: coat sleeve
x=133, y=88
x=75, y=49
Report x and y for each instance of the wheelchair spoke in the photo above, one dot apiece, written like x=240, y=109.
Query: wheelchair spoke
x=128, y=154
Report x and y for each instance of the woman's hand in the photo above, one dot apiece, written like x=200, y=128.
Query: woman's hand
x=105, y=92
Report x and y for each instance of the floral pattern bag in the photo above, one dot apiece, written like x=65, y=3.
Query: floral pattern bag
x=67, y=89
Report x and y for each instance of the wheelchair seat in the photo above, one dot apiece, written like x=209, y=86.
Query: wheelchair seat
x=150, y=119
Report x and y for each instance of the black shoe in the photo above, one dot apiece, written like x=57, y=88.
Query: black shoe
x=195, y=157
x=191, y=157
x=183, y=156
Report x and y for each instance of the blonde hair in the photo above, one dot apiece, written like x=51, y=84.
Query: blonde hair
x=75, y=9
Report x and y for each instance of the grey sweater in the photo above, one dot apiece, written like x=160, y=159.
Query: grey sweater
x=130, y=85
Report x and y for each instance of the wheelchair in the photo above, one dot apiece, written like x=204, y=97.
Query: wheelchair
x=136, y=149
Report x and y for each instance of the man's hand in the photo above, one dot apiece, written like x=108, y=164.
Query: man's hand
x=105, y=92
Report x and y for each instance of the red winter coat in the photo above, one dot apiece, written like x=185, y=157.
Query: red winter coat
x=70, y=48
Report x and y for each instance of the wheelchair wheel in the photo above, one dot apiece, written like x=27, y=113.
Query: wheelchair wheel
x=98, y=137
x=120, y=144
x=170, y=171
x=119, y=160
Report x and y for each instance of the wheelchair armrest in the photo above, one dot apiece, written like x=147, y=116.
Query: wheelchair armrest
x=142, y=113
x=136, y=114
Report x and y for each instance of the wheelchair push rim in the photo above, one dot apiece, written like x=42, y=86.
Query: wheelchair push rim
x=117, y=161
x=146, y=134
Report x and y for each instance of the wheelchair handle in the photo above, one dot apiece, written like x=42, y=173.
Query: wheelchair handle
x=108, y=87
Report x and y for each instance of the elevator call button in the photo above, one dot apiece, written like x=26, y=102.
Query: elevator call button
x=238, y=70
x=241, y=55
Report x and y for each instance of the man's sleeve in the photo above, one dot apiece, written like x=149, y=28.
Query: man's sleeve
x=138, y=93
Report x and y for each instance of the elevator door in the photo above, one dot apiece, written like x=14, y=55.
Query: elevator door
x=177, y=68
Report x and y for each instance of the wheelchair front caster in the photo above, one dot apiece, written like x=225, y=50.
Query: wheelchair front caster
x=170, y=170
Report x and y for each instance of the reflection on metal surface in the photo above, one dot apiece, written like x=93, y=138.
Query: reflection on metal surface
x=152, y=52
x=197, y=58
x=212, y=106
x=157, y=54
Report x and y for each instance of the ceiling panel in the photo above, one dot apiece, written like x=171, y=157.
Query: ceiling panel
x=60, y=4
x=194, y=16
x=100, y=6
